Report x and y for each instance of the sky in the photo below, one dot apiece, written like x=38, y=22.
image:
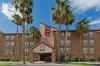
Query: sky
x=42, y=12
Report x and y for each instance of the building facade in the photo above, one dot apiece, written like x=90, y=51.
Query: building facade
x=79, y=47
x=11, y=46
x=52, y=45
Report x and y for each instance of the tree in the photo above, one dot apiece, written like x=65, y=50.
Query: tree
x=62, y=15
x=34, y=33
x=25, y=8
x=68, y=19
x=82, y=27
x=16, y=19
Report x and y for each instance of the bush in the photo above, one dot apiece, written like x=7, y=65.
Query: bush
x=91, y=60
x=1, y=59
x=7, y=59
x=98, y=59
x=75, y=59
x=62, y=58
x=68, y=60
x=15, y=60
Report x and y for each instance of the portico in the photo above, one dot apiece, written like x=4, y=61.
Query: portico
x=42, y=52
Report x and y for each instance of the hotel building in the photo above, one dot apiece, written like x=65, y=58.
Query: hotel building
x=52, y=45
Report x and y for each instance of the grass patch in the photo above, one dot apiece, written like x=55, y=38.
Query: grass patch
x=7, y=65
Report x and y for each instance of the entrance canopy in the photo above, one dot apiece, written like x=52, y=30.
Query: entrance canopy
x=42, y=48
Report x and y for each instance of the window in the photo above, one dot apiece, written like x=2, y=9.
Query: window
x=69, y=33
x=62, y=42
x=12, y=36
x=62, y=33
x=68, y=42
x=85, y=42
x=9, y=51
x=26, y=51
x=68, y=50
x=86, y=57
x=68, y=57
x=62, y=50
x=91, y=42
x=7, y=44
x=91, y=50
x=7, y=37
x=91, y=33
x=85, y=34
x=85, y=50
x=31, y=43
x=91, y=57
x=27, y=43
x=12, y=44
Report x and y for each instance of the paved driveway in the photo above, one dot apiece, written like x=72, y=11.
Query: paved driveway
x=97, y=65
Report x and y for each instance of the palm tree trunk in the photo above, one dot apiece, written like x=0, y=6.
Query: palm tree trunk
x=26, y=28
x=59, y=44
x=80, y=48
x=26, y=38
x=18, y=41
x=66, y=37
x=23, y=44
x=88, y=47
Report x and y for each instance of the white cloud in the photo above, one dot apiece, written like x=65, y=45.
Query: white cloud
x=8, y=10
x=95, y=22
x=84, y=5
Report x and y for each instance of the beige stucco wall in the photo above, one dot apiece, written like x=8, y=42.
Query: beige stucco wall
x=42, y=47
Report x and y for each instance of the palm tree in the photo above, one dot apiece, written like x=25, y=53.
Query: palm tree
x=25, y=8
x=17, y=20
x=29, y=20
x=34, y=33
x=68, y=19
x=62, y=15
x=81, y=28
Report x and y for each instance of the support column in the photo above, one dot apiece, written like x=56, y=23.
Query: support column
x=53, y=57
x=31, y=56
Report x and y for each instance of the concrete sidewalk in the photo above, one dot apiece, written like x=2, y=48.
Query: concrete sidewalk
x=41, y=65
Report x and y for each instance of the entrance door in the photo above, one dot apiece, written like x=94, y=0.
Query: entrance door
x=45, y=57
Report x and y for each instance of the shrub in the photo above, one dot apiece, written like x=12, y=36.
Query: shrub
x=92, y=60
x=15, y=60
x=62, y=58
x=98, y=59
x=75, y=59
x=1, y=59
x=6, y=59
x=68, y=60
